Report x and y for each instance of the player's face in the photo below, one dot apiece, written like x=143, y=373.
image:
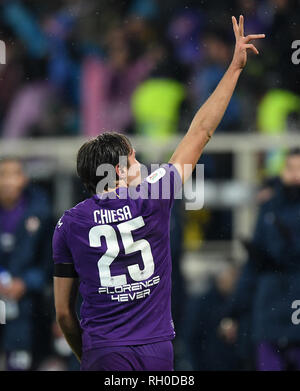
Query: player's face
x=12, y=182
x=134, y=170
x=291, y=172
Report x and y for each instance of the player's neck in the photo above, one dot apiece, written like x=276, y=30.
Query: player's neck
x=120, y=183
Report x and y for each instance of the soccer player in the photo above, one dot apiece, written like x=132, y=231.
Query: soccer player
x=116, y=247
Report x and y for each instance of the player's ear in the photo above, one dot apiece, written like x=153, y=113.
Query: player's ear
x=121, y=171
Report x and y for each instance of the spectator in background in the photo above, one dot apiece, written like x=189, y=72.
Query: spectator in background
x=57, y=51
x=30, y=99
x=236, y=327
x=156, y=102
x=217, y=54
x=27, y=109
x=284, y=28
x=206, y=350
x=107, y=84
x=256, y=13
x=11, y=73
x=277, y=112
x=270, y=280
x=50, y=70
x=25, y=251
x=183, y=32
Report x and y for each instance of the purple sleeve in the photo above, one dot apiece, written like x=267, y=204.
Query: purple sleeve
x=61, y=251
x=163, y=184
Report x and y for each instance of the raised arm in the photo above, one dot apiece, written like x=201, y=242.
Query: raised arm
x=210, y=114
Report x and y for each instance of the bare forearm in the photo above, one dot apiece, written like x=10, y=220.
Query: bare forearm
x=71, y=329
x=210, y=114
x=205, y=122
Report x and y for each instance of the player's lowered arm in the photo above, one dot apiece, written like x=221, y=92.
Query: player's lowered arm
x=211, y=112
x=65, y=296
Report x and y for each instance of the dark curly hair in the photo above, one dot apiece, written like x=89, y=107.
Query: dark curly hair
x=104, y=149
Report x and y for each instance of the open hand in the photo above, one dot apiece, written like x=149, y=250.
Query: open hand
x=242, y=43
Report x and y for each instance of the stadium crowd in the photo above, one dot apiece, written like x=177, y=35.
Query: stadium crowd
x=142, y=67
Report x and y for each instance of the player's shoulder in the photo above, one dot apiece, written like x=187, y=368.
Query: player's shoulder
x=82, y=206
x=78, y=211
x=164, y=179
x=157, y=174
x=162, y=173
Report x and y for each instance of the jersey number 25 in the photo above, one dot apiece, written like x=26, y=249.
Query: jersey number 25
x=130, y=246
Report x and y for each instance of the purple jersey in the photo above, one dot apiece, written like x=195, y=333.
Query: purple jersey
x=121, y=251
x=10, y=218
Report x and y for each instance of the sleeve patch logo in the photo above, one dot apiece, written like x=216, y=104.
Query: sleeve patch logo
x=156, y=175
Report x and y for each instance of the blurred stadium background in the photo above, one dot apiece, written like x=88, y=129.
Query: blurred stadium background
x=143, y=67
